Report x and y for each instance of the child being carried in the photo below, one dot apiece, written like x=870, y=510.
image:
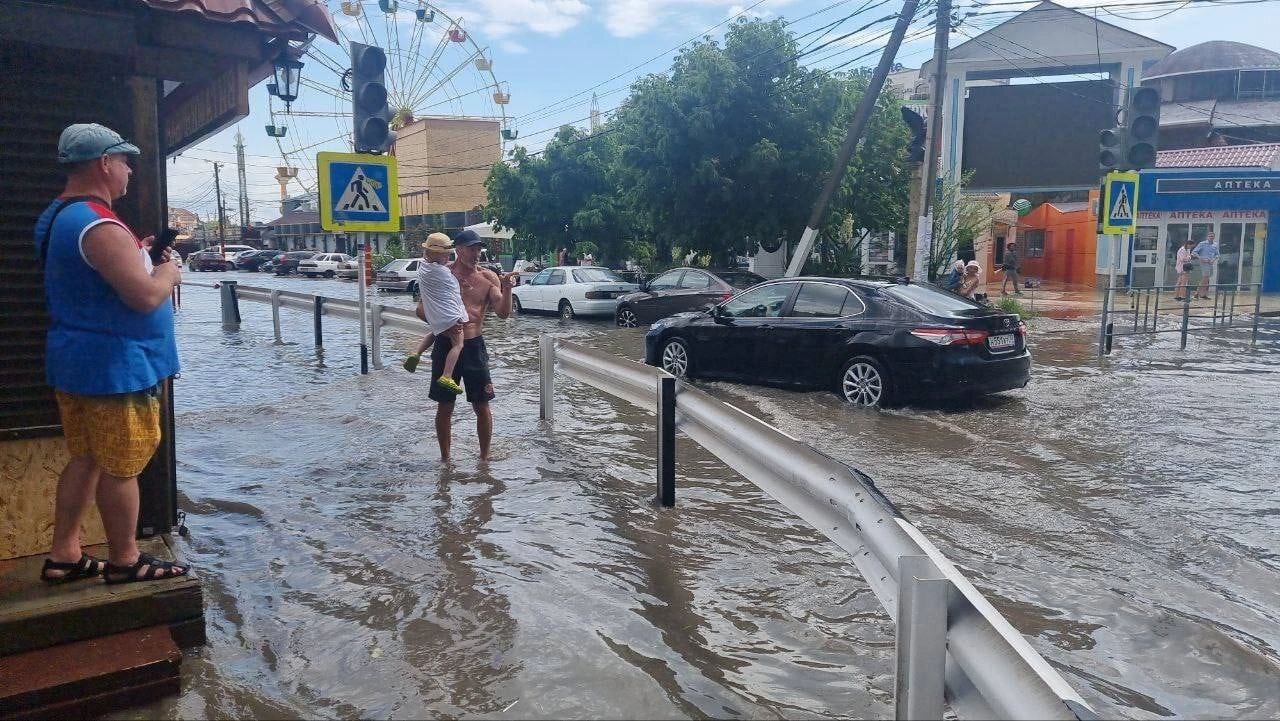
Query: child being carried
x=441, y=299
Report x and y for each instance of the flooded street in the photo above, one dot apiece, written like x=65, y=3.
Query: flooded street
x=1121, y=514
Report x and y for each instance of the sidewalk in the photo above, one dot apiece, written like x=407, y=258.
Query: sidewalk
x=1059, y=300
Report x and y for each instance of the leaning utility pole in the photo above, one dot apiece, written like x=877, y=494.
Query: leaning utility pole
x=857, y=127
x=244, y=185
x=217, y=187
x=933, y=151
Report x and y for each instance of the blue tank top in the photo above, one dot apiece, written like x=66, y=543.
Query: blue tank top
x=96, y=344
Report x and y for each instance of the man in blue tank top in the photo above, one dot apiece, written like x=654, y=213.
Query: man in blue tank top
x=110, y=346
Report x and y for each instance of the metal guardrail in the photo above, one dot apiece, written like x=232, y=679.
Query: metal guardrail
x=1145, y=305
x=953, y=647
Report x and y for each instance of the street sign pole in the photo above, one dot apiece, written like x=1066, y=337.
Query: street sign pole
x=362, y=240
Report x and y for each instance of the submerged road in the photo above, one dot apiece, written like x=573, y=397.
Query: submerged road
x=1121, y=514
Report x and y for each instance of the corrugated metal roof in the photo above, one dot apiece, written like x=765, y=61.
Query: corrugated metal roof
x=1246, y=113
x=1188, y=112
x=274, y=16
x=1213, y=56
x=1260, y=155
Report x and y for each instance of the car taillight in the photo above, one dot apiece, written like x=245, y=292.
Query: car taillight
x=1022, y=328
x=951, y=336
x=598, y=295
x=726, y=296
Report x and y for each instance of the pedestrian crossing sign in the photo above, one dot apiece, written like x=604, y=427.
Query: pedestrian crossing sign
x=358, y=192
x=1120, y=203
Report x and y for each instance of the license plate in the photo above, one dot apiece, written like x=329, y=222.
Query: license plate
x=1001, y=342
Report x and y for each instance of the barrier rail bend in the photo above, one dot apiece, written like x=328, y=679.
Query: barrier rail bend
x=953, y=648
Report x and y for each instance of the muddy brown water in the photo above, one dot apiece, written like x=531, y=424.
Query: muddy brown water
x=1122, y=514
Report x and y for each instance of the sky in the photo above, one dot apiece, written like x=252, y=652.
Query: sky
x=552, y=55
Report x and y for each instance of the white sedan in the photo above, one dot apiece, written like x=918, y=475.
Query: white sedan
x=325, y=264
x=572, y=290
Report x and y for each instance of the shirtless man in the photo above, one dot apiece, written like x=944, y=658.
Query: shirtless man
x=481, y=290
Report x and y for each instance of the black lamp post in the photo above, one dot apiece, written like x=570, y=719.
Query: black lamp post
x=288, y=75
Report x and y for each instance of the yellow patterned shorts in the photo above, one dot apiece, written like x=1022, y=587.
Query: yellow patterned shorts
x=120, y=432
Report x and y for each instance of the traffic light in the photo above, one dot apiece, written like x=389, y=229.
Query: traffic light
x=914, y=121
x=1109, y=146
x=1142, y=119
x=369, y=109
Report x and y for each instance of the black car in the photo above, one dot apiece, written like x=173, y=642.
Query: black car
x=253, y=261
x=873, y=341
x=286, y=263
x=680, y=290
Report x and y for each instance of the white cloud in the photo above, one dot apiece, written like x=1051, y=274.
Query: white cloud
x=513, y=47
x=630, y=18
x=499, y=19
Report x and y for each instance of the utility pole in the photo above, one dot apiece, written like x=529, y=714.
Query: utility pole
x=933, y=151
x=217, y=187
x=244, y=185
x=861, y=116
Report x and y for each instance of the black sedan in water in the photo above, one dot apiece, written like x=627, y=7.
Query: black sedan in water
x=680, y=290
x=873, y=341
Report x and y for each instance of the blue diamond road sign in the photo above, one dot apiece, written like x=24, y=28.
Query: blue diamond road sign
x=1120, y=203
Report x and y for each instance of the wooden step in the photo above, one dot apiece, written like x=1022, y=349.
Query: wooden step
x=85, y=679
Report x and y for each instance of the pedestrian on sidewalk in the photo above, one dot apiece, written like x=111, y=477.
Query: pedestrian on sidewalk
x=109, y=348
x=1184, y=263
x=1012, y=267
x=971, y=279
x=1206, y=254
x=953, y=278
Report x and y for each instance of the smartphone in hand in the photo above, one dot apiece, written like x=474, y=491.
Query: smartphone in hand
x=161, y=244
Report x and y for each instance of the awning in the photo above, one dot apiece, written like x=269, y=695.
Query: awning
x=280, y=17
x=485, y=230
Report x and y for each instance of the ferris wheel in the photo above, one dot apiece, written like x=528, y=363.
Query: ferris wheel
x=434, y=68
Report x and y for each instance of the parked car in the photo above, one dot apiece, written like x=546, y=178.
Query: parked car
x=231, y=251
x=286, y=263
x=681, y=290
x=572, y=291
x=203, y=260
x=400, y=274
x=252, y=260
x=325, y=264
x=350, y=268
x=872, y=341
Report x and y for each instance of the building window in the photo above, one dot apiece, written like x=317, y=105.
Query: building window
x=1034, y=240
x=1251, y=84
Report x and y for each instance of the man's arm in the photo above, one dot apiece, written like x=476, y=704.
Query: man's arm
x=499, y=293
x=112, y=251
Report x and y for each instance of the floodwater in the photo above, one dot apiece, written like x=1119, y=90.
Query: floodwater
x=1121, y=514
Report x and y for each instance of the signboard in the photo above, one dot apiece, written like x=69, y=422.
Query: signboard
x=194, y=111
x=1218, y=185
x=358, y=192
x=1120, y=203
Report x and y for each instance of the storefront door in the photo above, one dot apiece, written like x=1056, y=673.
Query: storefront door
x=1175, y=234
x=1252, y=250
x=1146, y=256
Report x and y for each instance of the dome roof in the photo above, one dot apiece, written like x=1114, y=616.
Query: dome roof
x=1212, y=56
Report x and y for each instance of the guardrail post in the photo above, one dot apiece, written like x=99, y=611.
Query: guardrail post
x=275, y=315
x=375, y=334
x=666, y=440
x=921, y=639
x=319, y=326
x=1257, y=311
x=230, y=305
x=1102, y=329
x=1186, y=318
x=547, y=374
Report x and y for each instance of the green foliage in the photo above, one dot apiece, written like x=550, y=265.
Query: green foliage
x=958, y=219
x=727, y=148
x=1009, y=304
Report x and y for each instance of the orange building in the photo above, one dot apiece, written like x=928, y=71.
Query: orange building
x=1056, y=241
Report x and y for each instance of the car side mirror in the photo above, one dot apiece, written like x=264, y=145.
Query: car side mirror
x=718, y=314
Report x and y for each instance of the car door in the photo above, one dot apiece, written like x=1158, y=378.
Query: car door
x=549, y=296
x=803, y=345
x=733, y=344
x=659, y=290
x=697, y=290
x=531, y=295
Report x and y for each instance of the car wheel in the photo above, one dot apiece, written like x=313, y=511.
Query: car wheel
x=566, y=310
x=627, y=318
x=515, y=304
x=328, y=274
x=676, y=359
x=413, y=288
x=863, y=382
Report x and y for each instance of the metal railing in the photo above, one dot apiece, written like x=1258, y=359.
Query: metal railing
x=1183, y=316
x=953, y=647
x=380, y=316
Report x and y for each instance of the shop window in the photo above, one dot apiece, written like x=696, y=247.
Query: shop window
x=1035, y=243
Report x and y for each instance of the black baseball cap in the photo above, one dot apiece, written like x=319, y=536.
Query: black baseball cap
x=467, y=237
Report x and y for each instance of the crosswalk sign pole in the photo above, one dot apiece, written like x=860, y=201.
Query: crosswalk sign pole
x=361, y=240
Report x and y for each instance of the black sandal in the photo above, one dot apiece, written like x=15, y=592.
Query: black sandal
x=86, y=567
x=129, y=574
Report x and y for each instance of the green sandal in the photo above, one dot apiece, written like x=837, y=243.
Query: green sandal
x=449, y=384
x=411, y=363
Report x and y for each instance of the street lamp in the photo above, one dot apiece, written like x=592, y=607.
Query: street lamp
x=288, y=74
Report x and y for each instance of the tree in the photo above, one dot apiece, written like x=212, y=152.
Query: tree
x=958, y=220
x=564, y=195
